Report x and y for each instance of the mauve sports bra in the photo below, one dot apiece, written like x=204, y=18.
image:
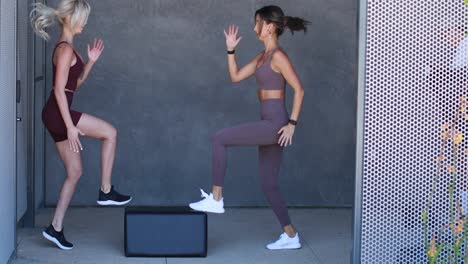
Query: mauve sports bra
x=268, y=79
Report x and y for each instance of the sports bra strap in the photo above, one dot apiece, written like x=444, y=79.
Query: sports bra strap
x=272, y=52
x=58, y=44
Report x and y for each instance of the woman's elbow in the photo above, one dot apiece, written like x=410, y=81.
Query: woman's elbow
x=58, y=93
x=234, y=79
x=299, y=92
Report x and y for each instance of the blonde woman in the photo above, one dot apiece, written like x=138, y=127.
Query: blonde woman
x=66, y=125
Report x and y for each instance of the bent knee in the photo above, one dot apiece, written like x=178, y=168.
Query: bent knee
x=111, y=133
x=74, y=173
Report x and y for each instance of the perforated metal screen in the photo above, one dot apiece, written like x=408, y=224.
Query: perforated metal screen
x=7, y=128
x=415, y=73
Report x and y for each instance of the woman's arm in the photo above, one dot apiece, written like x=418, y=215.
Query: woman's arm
x=93, y=56
x=85, y=74
x=280, y=63
x=245, y=72
x=235, y=73
x=64, y=55
x=64, y=61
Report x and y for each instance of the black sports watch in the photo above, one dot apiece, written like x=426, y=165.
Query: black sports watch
x=292, y=122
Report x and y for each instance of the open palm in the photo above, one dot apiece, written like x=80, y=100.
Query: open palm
x=96, y=50
x=231, y=37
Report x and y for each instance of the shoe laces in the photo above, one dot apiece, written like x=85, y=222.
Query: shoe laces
x=283, y=237
x=204, y=194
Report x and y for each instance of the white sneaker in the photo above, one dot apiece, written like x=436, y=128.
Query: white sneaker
x=209, y=204
x=464, y=202
x=285, y=242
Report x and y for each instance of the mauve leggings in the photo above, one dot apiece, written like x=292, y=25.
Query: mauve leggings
x=264, y=134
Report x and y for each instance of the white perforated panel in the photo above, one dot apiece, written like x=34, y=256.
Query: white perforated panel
x=7, y=128
x=415, y=73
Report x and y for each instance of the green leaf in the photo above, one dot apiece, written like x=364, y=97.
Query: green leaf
x=458, y=245
x=466, y=2
x=458, y=253
x=438, y=250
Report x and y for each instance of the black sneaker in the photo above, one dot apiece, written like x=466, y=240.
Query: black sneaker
x=113, y=198
x=57, y=238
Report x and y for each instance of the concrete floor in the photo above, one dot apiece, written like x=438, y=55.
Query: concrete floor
x=238, y=236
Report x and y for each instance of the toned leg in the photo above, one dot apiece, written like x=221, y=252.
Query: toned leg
x=270, y=158
x=261, y=132
x=99, y=129
x=73, y=168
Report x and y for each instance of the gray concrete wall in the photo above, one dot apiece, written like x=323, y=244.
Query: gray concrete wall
x=162, y=81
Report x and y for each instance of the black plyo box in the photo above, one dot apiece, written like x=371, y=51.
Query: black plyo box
x=165, y=232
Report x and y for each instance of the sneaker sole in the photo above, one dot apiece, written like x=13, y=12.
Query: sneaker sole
x=200, y=210
x=287, y=247
x=55, y=241
x=109, y=202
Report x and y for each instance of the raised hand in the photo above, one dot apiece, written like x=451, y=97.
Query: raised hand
x=231, y=37
x=96, y=50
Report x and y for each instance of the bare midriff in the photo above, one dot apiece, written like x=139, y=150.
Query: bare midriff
x=66, y=90
x=264, y=94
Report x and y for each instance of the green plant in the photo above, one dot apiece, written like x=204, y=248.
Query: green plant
x=457, y=226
